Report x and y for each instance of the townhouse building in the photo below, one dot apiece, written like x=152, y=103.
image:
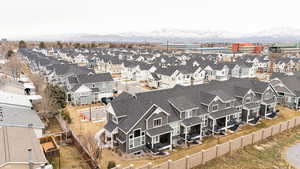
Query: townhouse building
x=164, y=119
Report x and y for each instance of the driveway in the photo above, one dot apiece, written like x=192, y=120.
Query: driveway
x=293, y=155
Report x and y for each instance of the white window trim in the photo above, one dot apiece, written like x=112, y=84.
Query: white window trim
x=160, y=118
x=248, y=98
x=142, y=139
x=214, y=106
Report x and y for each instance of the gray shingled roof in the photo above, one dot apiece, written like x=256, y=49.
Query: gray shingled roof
x=110, y=126
x=192, y=121
x=182, y=103
x=159, y=130
x=223, y=113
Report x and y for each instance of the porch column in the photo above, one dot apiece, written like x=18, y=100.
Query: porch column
x=213, y=128
x=171, y=141
x=266, y=107
x=112, y=140
x=185, y=136
x=200, y=131
x=152, y=142
x=248, y=112
x=226, y=121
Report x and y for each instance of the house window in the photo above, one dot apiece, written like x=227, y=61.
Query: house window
x=143, y=140
x=137, y=133
x=227, y=105
x=156, y=139
x=215, y=107
x=130, y=143
x=248, y=100
x=157, y=122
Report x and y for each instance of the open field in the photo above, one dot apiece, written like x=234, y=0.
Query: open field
x=285, y=114
x=269, y=153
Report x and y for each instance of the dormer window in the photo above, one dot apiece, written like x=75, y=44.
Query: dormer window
x=248, y=100
x=227, y=105
x=214, y=107
x=157, y=122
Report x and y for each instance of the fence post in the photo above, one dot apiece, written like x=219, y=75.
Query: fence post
x=149, y=165
x=169, y=164
x=288, y=125
x=217, y=149
x=187, y=165
x=272, y=130
x=203, y=162
x=252, y=138
x=280, y=127
x=242, y=142
x=230, y=147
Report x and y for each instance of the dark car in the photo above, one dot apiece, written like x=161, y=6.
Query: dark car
x=106, y=100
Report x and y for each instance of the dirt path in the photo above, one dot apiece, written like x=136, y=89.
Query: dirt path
x=293, y=155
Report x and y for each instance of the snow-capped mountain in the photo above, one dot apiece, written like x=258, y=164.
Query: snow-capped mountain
x=279, y=32
x=283, y=34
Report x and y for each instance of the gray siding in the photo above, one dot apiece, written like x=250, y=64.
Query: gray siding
x=161, y=115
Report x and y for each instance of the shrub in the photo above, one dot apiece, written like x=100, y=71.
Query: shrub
x=111, y=164
x=66, y=116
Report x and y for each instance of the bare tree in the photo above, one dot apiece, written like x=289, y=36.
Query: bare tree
x=91, y=145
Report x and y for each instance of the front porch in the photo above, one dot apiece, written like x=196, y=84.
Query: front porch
x=159, y=138
x=268, y=110
x=220, y=122
x=250, y=113
x=191, y=129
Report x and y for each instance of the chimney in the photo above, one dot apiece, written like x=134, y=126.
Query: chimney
x=30, y=158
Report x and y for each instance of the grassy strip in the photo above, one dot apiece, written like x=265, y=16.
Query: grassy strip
x=266, y=154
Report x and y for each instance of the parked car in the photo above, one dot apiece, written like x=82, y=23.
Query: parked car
x=106, y=100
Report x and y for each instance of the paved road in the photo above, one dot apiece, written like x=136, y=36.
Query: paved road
x=130, y=87
x=293, y=155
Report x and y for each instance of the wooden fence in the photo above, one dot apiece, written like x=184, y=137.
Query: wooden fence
x=77, y=143
x=202, y=157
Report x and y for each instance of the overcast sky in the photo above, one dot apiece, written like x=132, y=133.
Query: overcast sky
x=46, y=17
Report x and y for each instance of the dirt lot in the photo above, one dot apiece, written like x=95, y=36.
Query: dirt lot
x=178, y=153
x=70, y=159
x=83, y=127
x=267, y=154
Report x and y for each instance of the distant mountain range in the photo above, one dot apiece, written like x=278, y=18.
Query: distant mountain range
x=283, y=34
